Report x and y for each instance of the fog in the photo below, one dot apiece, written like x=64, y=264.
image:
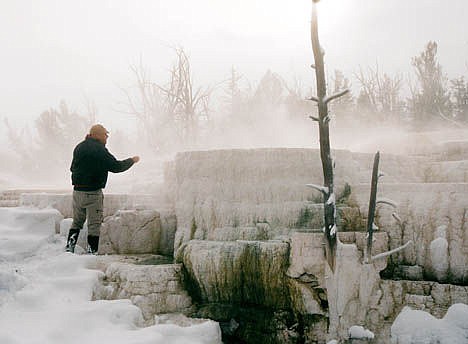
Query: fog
x=82, y=53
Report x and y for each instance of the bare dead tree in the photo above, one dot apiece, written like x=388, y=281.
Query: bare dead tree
x=187, y=103
x=171, y=112
x=373, y=202
x=323, y=120
x=372, y=205
x=146, y=102
x=381, y=90
x=153, y=113
x=368, y=86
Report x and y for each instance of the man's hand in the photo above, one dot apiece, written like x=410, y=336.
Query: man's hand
x=136, y=159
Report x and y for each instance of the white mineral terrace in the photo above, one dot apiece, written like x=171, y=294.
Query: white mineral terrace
x=235, y=235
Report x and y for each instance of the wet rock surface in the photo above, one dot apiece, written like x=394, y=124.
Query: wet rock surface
x=155, y=289
x=131, y=231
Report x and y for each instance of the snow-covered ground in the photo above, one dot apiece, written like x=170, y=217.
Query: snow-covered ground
x=45, y=293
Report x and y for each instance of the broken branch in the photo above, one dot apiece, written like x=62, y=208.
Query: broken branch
x=334, y=96
x=322, y=189
x=385, y=254
x=387, y=201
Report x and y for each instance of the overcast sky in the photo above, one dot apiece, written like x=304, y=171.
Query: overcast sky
x=63, y=49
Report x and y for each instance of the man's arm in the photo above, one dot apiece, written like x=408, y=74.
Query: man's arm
x=117, y=166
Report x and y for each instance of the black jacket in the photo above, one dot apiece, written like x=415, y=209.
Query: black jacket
x=91, y=162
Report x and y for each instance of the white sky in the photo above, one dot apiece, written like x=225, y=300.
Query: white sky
x=63, y=49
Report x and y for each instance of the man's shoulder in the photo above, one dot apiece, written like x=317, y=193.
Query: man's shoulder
x=89, y=145
x=90, y=142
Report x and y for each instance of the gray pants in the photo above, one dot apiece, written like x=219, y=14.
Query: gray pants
x=88, y=204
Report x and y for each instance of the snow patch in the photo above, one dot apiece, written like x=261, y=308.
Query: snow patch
x=359, y=332
x=415, y=326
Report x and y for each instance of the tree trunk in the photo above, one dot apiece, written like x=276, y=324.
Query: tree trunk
x=325, y=154
x=372, y=204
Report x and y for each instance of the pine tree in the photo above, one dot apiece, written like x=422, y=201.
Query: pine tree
x=431, y=99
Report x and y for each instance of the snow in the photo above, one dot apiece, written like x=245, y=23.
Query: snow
x=414, y=326
x=359, y=332
x=331, y=199
x=45, y=293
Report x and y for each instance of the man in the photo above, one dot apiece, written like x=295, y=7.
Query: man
x=91, y=163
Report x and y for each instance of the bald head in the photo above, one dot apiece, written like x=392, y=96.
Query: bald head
x=98, y=132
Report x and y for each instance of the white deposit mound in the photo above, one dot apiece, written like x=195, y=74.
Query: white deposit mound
x=413, y=326
x=45, y=293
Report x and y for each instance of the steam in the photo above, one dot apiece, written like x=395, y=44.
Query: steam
x=268, y=129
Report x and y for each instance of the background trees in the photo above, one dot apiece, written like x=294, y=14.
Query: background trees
x=343, y=108
x=430, y=99
x=171, y=112
x=45, y=149
x=177, y=114
x=379, y=97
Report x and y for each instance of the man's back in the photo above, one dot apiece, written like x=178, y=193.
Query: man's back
x=91, y=164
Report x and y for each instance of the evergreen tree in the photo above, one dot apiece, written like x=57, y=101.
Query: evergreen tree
x=431, y=99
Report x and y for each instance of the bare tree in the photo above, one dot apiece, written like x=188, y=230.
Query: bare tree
x=171, y=112
x=327, y=162
x=188, y=105
x=380, y=93
x=373, y=202
x=154, y=114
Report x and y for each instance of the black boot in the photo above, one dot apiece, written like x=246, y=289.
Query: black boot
x=93, y=244
x=72, y=239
